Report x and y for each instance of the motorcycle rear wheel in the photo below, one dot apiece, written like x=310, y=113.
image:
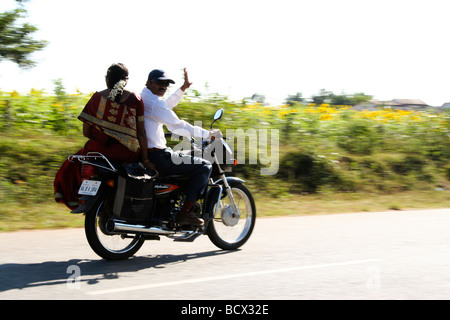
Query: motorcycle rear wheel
x=106, y=245
x=226, y=230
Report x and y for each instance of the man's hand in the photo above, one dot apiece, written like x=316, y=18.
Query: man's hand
x=149, y=165
x=215, y=134
x=186, y=83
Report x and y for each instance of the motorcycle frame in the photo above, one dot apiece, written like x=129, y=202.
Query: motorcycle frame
x=224, y=181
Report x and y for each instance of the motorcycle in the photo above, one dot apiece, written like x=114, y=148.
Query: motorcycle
x=125, y=205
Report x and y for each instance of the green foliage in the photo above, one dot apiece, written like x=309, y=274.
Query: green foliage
x=359, y=137
x=16, y=41
x=40, y=112
x=305, y=171
x=325, y=96
x=322, y=147
x=28, y=165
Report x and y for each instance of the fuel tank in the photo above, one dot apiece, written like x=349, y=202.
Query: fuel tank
x=165, y=189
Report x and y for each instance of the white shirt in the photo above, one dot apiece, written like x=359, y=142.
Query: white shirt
x=158, y=112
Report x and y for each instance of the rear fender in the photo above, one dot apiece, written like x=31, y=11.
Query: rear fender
x=88, y=202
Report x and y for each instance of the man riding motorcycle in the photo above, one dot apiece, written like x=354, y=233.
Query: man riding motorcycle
x=158, y=112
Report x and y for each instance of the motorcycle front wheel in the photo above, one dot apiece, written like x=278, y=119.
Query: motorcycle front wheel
x=107, y=245
x=228, y=230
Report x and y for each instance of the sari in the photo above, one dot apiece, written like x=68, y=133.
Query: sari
x=113, y=134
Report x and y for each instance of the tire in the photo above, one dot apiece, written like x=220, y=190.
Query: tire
x=106, y=245
x=228, y=232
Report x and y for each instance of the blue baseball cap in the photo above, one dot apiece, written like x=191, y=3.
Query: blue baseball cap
x=159, y=74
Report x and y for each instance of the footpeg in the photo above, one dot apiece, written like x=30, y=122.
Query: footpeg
x=188, y=237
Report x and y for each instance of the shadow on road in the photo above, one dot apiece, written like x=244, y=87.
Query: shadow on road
x=19, y=276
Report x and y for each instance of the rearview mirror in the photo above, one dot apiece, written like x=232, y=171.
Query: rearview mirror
x=218, y=114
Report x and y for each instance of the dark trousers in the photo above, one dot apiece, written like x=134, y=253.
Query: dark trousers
x=198, y=170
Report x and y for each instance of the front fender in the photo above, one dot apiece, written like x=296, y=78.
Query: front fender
x=231, y=181
x=215, y=193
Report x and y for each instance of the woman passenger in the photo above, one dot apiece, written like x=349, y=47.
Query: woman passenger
x=113, y=121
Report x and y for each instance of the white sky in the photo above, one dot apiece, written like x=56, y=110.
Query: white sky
x=386, y=48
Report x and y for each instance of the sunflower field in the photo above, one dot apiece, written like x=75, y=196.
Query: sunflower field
x=322, y=148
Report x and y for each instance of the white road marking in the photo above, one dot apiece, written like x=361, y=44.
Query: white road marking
x=230, y=276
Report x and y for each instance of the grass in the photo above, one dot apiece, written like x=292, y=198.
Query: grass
x=332, y=159
x=352, y=202
x=53, y=215
x=42, y=216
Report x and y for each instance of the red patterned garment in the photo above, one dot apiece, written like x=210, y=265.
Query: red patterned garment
x=113, y=134
x=114, y=120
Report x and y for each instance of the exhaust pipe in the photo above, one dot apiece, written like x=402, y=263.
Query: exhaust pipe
x=114, y=226
x=119, y=227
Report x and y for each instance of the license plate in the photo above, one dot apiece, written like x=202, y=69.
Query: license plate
x=89, y=187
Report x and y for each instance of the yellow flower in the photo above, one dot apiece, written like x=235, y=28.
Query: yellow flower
x=283, y=113
x=311, y=110
x=326, y=117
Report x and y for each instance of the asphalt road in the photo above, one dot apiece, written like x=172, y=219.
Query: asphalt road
x=384, y=255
